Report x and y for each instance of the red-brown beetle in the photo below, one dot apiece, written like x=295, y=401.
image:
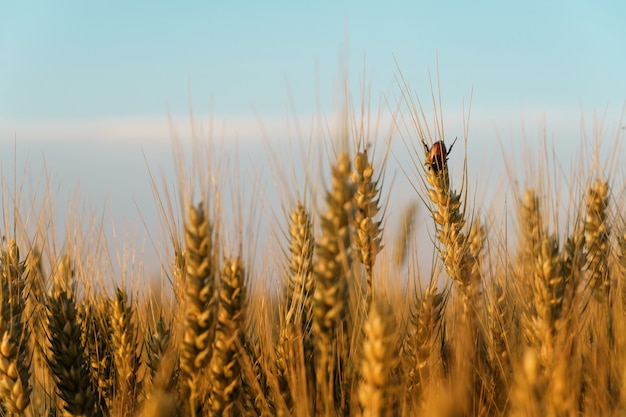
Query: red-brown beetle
x=437, y=155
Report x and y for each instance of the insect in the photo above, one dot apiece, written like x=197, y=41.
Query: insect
x=437, y=155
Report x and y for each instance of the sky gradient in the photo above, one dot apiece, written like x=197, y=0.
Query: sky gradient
x=68, y=61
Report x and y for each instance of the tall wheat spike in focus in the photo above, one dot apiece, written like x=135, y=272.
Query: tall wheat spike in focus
x=449, y=218
x=301, y=284
x=296, y=329
x=331, y=288
x=199, y=281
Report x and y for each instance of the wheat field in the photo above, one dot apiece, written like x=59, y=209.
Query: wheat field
x=526, y=320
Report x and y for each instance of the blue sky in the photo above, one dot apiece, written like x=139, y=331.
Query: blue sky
x=106, y=75
x=72, y=60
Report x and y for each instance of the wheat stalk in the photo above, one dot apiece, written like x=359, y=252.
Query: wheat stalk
x=405, y=235
x=35, y=293
x=501, y=337
x=621, y=242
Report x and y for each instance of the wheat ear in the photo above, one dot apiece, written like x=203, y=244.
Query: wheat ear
x=331, y=288
x=449, y=220
x=126, y=355
x=66, y=358
x=599, y=382
x=368, y=229
x=157, y=342
x=301, y=285
x=597, y=235
x=299, y=300
x=224, y=369
x=377, y=364
x=96, y=328
x=199, y=278
x=548, y=293
x=15, y=386
x=425, y=338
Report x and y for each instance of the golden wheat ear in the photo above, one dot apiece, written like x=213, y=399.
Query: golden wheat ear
x=15, y=358
x=96, y=327
x=597, y=233
x=298, y=310
x=448, y=214
x=423, y=342
x=300, y=288
x=66, y=357
x=331, y=272
x=157, y=342
x=376, y=388
x=368, y=228
x=225, y=368
x=126, y=355
x=200, y=305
